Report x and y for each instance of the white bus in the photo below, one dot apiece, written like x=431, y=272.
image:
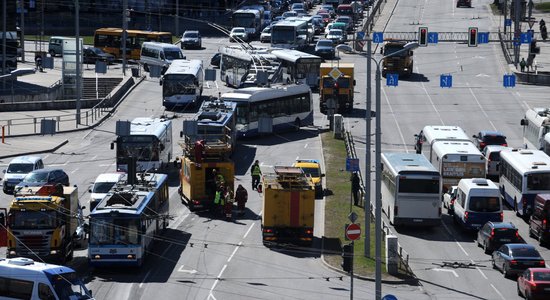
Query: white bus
x=287, y=108
x=411, y=189
x=290, y=34
x=149, y=142
x=299, y=67
x=433, y=133
x=238, y=67
x=159, y=54
x=536, y=124
x=524, y=173
x=456, y=160
x=182, y=83
x=251, y=19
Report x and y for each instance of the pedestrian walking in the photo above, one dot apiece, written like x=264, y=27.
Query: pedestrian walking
x=241, y=196
x=522, y=64
x=256, y=172
x=355, y=184
x=228, y=206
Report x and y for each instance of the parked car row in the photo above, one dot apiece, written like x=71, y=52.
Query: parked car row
x=29, y=171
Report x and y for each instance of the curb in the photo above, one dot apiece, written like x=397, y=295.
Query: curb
x=37, y=152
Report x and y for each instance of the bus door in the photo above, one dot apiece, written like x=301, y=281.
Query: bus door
x=3, y=227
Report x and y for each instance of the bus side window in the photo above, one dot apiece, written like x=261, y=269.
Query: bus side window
x=44, y=292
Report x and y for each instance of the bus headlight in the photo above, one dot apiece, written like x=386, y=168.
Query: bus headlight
x=130, y=256
x=53, y=252
x=97, y=256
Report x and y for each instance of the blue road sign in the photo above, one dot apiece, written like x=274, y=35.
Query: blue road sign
x=392, y=79
x=525, y=38
x=446, y=80
x=378, y=37
x=352, y=164
x=433, y=37
x=509, y=80
x=361, y=35
x=483, y=37
x=531, y=32
x=508, y=22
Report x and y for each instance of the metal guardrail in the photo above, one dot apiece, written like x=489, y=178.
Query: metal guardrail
x=402, y=254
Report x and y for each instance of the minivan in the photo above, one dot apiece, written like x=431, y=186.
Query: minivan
x=55, y=45
x=159, y=54
x=492, y=160
x=18, y=168
x=477, y=202
x=539, y=226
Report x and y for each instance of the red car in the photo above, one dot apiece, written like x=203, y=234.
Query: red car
x=534, y=283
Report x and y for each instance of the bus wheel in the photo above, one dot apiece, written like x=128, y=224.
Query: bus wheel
x=297, y=124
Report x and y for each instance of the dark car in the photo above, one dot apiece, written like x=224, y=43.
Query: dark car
x=44, y=176
x=325, y=49
x=191, y=39
x=467, y=3
x=487, y=137
x=215, y=60
x=92, y=54
x=534, y=284
x=513, y=259
x=495, y=234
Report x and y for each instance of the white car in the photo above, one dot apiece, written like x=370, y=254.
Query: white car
x=265, y=36
x=449, y=199
x=337, y=36
x=237, y=34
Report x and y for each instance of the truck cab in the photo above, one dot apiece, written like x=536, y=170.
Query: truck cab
x=401, y=63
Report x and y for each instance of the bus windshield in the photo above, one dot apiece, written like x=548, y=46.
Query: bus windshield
x=68, y=286
x=484, y=204
x=114, y=231
x=282, y=35
x=419, y=186
x=538, y=182
x=242, y=114
x=244, y=20
x=184, y=84
x=33, y=219
x=142, y=147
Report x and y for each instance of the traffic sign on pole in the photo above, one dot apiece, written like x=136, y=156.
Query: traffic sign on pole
x=378, y=37
x=353, y=232
x=446, y=80
x=392, y=79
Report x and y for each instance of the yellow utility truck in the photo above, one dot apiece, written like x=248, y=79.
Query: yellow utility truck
x=288, y=206
x=46, y=223
x=337, y=82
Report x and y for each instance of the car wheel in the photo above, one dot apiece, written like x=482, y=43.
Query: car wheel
x=504, y=271
x=493, y=263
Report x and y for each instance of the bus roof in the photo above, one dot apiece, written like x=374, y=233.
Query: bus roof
x=403, y=163
x=290, y=22
x=255, y=12
x=527, y=160
x=114, y=30
x=253, y=94
x=443, y=133
x=294, y=55
x=215, y=113
x=182, y=66
x=149, y=126
x=442, y=148
x=539, y=116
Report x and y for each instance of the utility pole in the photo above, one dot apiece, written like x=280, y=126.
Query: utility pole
x=21, y=38
x=4, y=25
x=125, y=16
x=517, y=30
x=78, y=66
x=177, y=18
x=368, y=129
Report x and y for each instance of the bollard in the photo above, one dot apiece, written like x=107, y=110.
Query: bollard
x=3, y=133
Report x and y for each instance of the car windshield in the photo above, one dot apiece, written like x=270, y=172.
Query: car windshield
x=325, y=43
x=505, y=232
x=541, y=276
x=267, y=29
x=494, y=139
x=173, y=54
x=32, y=219
x=525, y=252
x=313, y=172
x=335, y=32
x=190, y=35
x=20, y=168
x=68, y=286
x=102, y=187
x=494, y=156
x=36, y=177
x=238, y=30
x=484, y=204
x=96, y=50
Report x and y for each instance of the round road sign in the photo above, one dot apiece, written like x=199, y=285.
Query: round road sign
x=353, y=232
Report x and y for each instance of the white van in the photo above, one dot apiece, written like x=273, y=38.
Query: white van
x=18, y=168
x=159, y=54
x=477, y=202
x=102, y=184
x=23, y=278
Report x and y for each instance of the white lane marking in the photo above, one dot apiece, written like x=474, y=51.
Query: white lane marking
x=192, y=271
x=105, y=165
x=144, y=278
x=305, y=146
x=449, y=231
x=494, y=288
x=481, y=107
x=234, y=251
x=482, y=274
x=445, y=270
x=217, y=280
x=248, y=231
x=395, y=120
x=72, y=172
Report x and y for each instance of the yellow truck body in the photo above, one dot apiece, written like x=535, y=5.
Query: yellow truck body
x=340, y=89
x=288, y=206
x=45, y=221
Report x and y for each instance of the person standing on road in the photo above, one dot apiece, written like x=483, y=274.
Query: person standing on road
x=355, y=184
x=522, y=64
x=256, y=172
x=241, y=196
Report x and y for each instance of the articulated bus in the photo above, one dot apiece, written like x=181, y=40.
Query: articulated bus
x=411, y=189
x=299, y=67
x=524, y=173
x=124, y=225
x=284, y=108
x=536, y=124
x=251, y=19
x=456, y=160
x=110, y=41
x=149, y=142
x=182, y=83
x=290, y=34
x=431, y=134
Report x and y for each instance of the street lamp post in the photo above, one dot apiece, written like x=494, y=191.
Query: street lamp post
x=378, y=152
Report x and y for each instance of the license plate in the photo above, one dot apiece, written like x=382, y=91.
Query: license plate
x=505, y=240
x=547, y=289
x=417, y=220
x=529, y=263
x=476, y=225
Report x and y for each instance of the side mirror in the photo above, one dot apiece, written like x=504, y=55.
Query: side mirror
x=354, y=82
x=90, y=190
x=181, y=134
x=112, y=146
x=474, y=136
x=322, y=175
x=416, y=135
x=160, y=82
x=523, y=122
x=83, y=207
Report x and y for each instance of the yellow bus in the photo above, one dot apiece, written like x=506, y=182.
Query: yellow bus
x=110, y=40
